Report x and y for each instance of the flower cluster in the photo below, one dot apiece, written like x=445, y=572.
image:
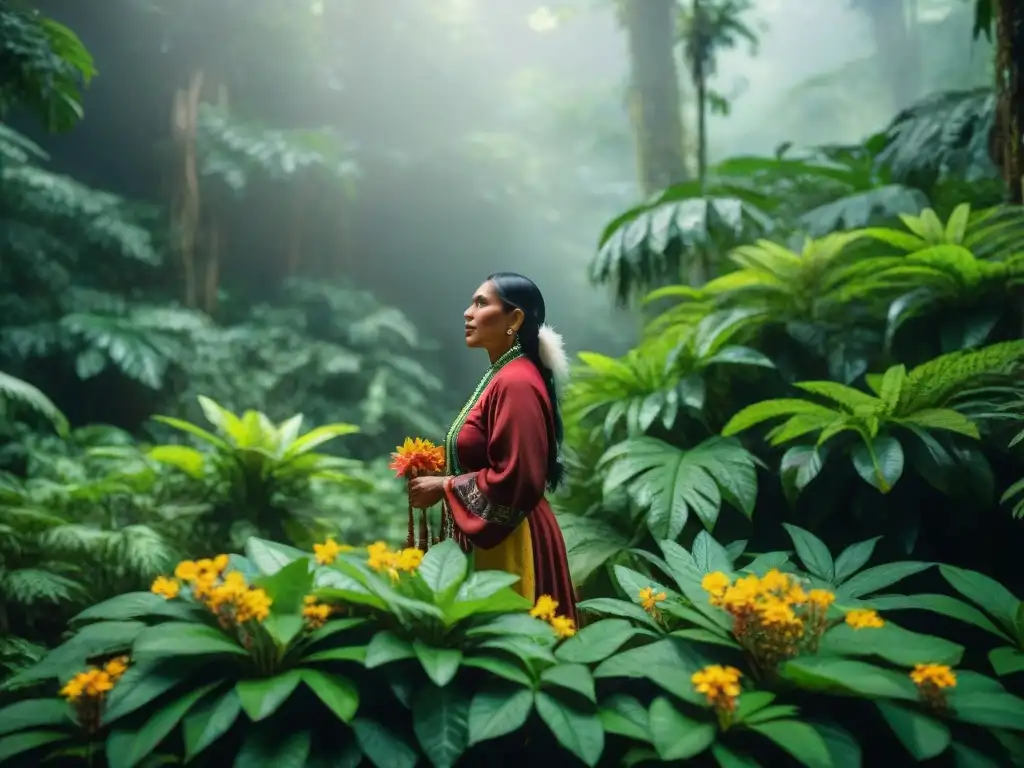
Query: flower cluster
x=417, y=456
x=864, y=618
x=86, y=690
x=932, y=680
x=328, y=552
x=721, y=687
x=545, y=608
x=315, y=614
x=393, y=562
x=649, y=599
x=227, y=595
x=774, y=616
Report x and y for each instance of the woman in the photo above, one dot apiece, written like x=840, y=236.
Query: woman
x=502, y=450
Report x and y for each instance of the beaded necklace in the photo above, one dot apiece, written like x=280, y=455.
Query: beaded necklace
x=451, y=440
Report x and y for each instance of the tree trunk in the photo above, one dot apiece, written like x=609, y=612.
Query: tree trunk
x=1010, y=90
x=700, y=268
x=186, y=203
x=654, y=93
x=895, y=31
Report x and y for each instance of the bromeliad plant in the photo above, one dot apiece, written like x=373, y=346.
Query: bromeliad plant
x=722, y=641
x=252, y=468
x=238, y=658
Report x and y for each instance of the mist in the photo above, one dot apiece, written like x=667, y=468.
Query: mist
x=489, y=136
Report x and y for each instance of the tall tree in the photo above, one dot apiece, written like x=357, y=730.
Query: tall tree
x=654, y=92
x=1009, y=25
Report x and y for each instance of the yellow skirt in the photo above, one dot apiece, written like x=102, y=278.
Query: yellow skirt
x=513, y=555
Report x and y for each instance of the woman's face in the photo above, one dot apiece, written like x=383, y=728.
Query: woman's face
x=487, y=322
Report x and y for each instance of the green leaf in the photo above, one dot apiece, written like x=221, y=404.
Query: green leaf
x=728, y=759
x=596, y=642
x=270, y=557
x=924, y=737
x=573, y=677
x=1005, y=660
x=800, y=740
x=355, y=653
x=157, y=728
x=987, y=709
x=184, y=639
x=20, y=743
x=287, y=588
x=444, y=568
x=812, y=552
x=268, y=746
x=880, y=462
x=625, y=716
x=497, y=711
x=334, y=627
x=382, y=746
x=261, y=697
x=34, y=713
x=440, y=664
x=613, y=607
x=386, y=647
x=136, y=605
x=842, y=746
x=853, y=558
x=871, y=580
x=440, y=720
x=499, y=667
x=580, y=733
x=709, y=555
x=1000, y=603
x=667, y=663
x=209, y=721
x=338, y=693
x=941, y=604
x=830, y=674
x=891, y=643
x=141, y=684
x=675, y=736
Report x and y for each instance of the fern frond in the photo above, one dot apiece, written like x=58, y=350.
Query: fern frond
x=938, y=382
x=31, y=586
x=22, y=393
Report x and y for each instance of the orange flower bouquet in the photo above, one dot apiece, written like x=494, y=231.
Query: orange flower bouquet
x=411, y=459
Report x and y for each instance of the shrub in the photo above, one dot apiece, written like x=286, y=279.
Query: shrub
x=398, y=657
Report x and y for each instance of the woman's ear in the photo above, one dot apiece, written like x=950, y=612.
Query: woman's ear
x=517, y=319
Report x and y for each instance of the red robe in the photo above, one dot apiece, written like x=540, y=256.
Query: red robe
x=498, y=504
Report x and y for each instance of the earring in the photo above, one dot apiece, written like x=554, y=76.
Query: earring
x=509, y=332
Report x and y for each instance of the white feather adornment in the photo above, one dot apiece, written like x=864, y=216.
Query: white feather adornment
x=551, y=351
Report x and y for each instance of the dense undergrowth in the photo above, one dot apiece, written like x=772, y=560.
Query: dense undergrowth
x=793, y=507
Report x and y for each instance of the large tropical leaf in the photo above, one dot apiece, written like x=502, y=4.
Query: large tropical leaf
x=671, y=483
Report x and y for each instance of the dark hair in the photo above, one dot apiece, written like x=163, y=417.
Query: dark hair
x=518, y=292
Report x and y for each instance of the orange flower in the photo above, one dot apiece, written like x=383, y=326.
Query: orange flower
x=417, y=456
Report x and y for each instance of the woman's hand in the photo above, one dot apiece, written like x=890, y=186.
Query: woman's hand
x=426, y=491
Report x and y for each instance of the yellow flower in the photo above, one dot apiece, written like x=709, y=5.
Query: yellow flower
x=91, y=684
x=384, y=560
x=409, y=559
x=863, y=618
x=649, y=600
x=328, y=552
x=166, y=588
x=186, y=570
x=116, y=667
x=252, y=605
x=544, y=608
x=720, y=685
x=715, y=584
x=934, y=675
x=821, y=598
x=564, y=626
x=775, y=581
x=316, y=614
